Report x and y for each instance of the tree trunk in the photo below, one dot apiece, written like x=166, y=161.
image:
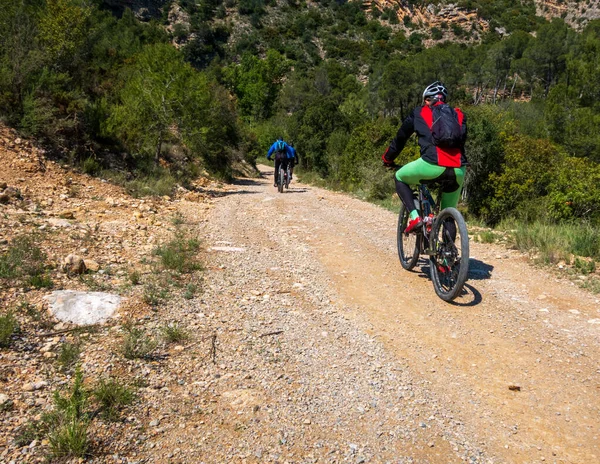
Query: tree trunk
x=512, y=89
x=158, y=148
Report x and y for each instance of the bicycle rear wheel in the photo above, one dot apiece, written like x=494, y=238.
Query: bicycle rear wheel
x=450, y=263
x=280, y=180
x=408, y=244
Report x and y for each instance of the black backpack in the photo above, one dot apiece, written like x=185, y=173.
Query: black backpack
x=446, y=131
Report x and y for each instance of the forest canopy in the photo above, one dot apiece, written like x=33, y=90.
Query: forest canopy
x=165, y=98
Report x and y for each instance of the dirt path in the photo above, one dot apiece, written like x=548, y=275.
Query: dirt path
x=517, y=326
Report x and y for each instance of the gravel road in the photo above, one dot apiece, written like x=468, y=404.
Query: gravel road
x=325, y=350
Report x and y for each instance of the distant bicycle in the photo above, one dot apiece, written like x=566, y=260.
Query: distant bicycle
x=443, y=238
x=283, y=178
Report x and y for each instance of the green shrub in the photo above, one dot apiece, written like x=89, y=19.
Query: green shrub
x=8, y=326
x=69, y=423
x=68, y=355
x=40, y=281
x=155, y=292
x=134, y=277
x=585, y=266
x=112, y=396
x=173, y=333
x=23, y=258
x=179, y=254
x=136, y=343
x=190, y=291
x=91, y=166
x=487, y=236
x=555, y=242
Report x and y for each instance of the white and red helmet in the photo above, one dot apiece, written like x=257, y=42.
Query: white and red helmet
x=436, y=90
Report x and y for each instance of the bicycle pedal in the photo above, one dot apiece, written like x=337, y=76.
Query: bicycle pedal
x=429, y=252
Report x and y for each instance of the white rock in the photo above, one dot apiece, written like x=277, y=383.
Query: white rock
x=83, y=308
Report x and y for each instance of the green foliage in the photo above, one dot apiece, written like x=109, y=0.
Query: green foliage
x=155, y=292
x=256, y=83
x=151, y=100
x=136, y=343
x=173, y=333
x=22, y=259
x=67, y=433
x=557, y=242
x=8, y=326
x=179, y=254
x=528, y=170
x=112, y=396
x=190, y=291
x=68, y=355
x=575, y=190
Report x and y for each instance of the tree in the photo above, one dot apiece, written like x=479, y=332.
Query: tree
x=152, y=101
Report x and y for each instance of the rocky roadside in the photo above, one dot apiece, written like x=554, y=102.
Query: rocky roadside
x=63, y=230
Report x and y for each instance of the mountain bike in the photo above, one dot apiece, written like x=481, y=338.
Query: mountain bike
x=283, y=178
x=443, y=237
x=288, y=175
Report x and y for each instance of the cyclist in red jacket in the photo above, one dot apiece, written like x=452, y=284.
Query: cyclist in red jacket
x=441, y=132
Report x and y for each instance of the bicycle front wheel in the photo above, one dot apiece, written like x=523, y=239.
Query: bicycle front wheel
x=280, y=180
x=408, y=244
x=449, y=241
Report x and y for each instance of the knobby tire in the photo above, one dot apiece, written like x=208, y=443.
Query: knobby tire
x=449, y=264
x=408, y=244
x=280, y=180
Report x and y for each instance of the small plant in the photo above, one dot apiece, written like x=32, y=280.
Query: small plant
x=94, y=283
x=177, y=219
x=136, y=343
x=8, y=326
x=179, y=254
x=91, y=166
x=487, y=236
x=173, y=333
x=112, y=396
x=40, y=281
x=68, y=355
x=154, y=293
x=33, y=430
x=584, y=266
x=23, y=258
x=69, y=423
x=134, y=277
x=24, y=307
x=190, y=291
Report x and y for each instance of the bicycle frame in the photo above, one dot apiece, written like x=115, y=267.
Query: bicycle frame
x=426, y=206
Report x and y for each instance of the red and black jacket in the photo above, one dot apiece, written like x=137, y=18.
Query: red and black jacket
x=420, y=121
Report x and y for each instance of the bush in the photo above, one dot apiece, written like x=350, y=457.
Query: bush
x=69, y=422
x=112, y=396
x=136, y=343
x=556, y=242
x=8, y=326
x=23, y=258
x=179, y=254
x=173, y=333
x=68, y=355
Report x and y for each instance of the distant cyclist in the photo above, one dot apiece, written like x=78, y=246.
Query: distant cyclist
x=441, y=132
x=293, y=160
x=282, y=155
